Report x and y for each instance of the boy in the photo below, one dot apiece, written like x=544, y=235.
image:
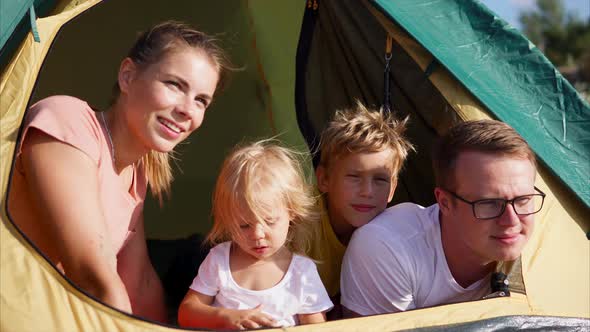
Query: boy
x=362, y=152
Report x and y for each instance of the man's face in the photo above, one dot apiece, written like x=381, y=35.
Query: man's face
x=482, y=176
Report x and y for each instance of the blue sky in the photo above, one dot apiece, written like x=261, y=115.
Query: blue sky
x=509, y=10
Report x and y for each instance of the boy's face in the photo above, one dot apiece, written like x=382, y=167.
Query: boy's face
x=358, y=187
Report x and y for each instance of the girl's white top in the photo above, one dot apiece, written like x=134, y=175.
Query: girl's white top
x=299, y=292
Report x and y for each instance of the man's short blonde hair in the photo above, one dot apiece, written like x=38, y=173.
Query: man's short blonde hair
x=249, y=176
x=360, y=130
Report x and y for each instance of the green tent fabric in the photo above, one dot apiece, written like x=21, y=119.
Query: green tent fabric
x=15, y=22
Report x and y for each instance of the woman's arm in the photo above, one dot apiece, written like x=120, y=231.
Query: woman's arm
x=143, y=284
x=64, y=185
x=318, y=317
x=196, y=311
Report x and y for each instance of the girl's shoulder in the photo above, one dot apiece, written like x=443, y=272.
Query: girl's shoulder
x=302, y=264
x=217, y=258
x=221, y=249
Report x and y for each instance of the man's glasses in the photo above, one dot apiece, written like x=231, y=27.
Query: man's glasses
x=490, y=208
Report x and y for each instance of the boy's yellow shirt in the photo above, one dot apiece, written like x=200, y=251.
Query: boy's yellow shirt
x=327, y=250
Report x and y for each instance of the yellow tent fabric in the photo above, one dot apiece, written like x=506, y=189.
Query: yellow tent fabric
x=35, y=297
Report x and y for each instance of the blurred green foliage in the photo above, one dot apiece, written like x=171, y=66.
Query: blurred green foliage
x=564, y=38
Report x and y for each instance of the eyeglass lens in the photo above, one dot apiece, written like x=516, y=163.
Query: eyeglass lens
x=493, y=208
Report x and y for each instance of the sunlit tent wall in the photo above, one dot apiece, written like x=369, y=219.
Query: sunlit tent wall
x=451, y=61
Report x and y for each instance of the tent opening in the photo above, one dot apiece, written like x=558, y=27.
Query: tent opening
x=330, y=65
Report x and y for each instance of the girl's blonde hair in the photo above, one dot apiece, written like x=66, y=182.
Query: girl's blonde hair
x=148, y=49
x=251, y=174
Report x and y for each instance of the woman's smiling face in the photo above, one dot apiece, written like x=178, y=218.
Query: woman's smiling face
x=166, y=100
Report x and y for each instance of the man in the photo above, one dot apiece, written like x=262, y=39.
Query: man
x=412, y=257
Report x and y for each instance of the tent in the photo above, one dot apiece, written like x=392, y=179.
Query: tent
x=450, y=61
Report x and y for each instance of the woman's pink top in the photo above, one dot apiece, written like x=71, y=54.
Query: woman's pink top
x=72, y=121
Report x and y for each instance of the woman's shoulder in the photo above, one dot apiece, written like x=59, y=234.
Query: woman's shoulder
x=67, y=119
x=61, y=102
x=65, y=109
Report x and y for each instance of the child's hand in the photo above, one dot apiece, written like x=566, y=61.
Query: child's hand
x=248, y=319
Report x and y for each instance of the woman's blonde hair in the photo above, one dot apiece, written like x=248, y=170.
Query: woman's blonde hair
x=148, y=49
x=251, y=174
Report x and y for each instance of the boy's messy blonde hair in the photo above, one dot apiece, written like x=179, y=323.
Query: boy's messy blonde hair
x=360, y=129
x=249, y=176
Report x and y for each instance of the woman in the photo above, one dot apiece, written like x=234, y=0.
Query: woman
x=81, y=176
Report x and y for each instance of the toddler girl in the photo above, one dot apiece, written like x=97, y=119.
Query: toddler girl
x=257, y=275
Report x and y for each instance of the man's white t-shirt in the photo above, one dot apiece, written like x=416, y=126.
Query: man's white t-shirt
x=396, y=263
x=301, y=290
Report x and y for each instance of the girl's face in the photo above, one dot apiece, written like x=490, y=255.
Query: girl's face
x=263, y=240
x=166, y=101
